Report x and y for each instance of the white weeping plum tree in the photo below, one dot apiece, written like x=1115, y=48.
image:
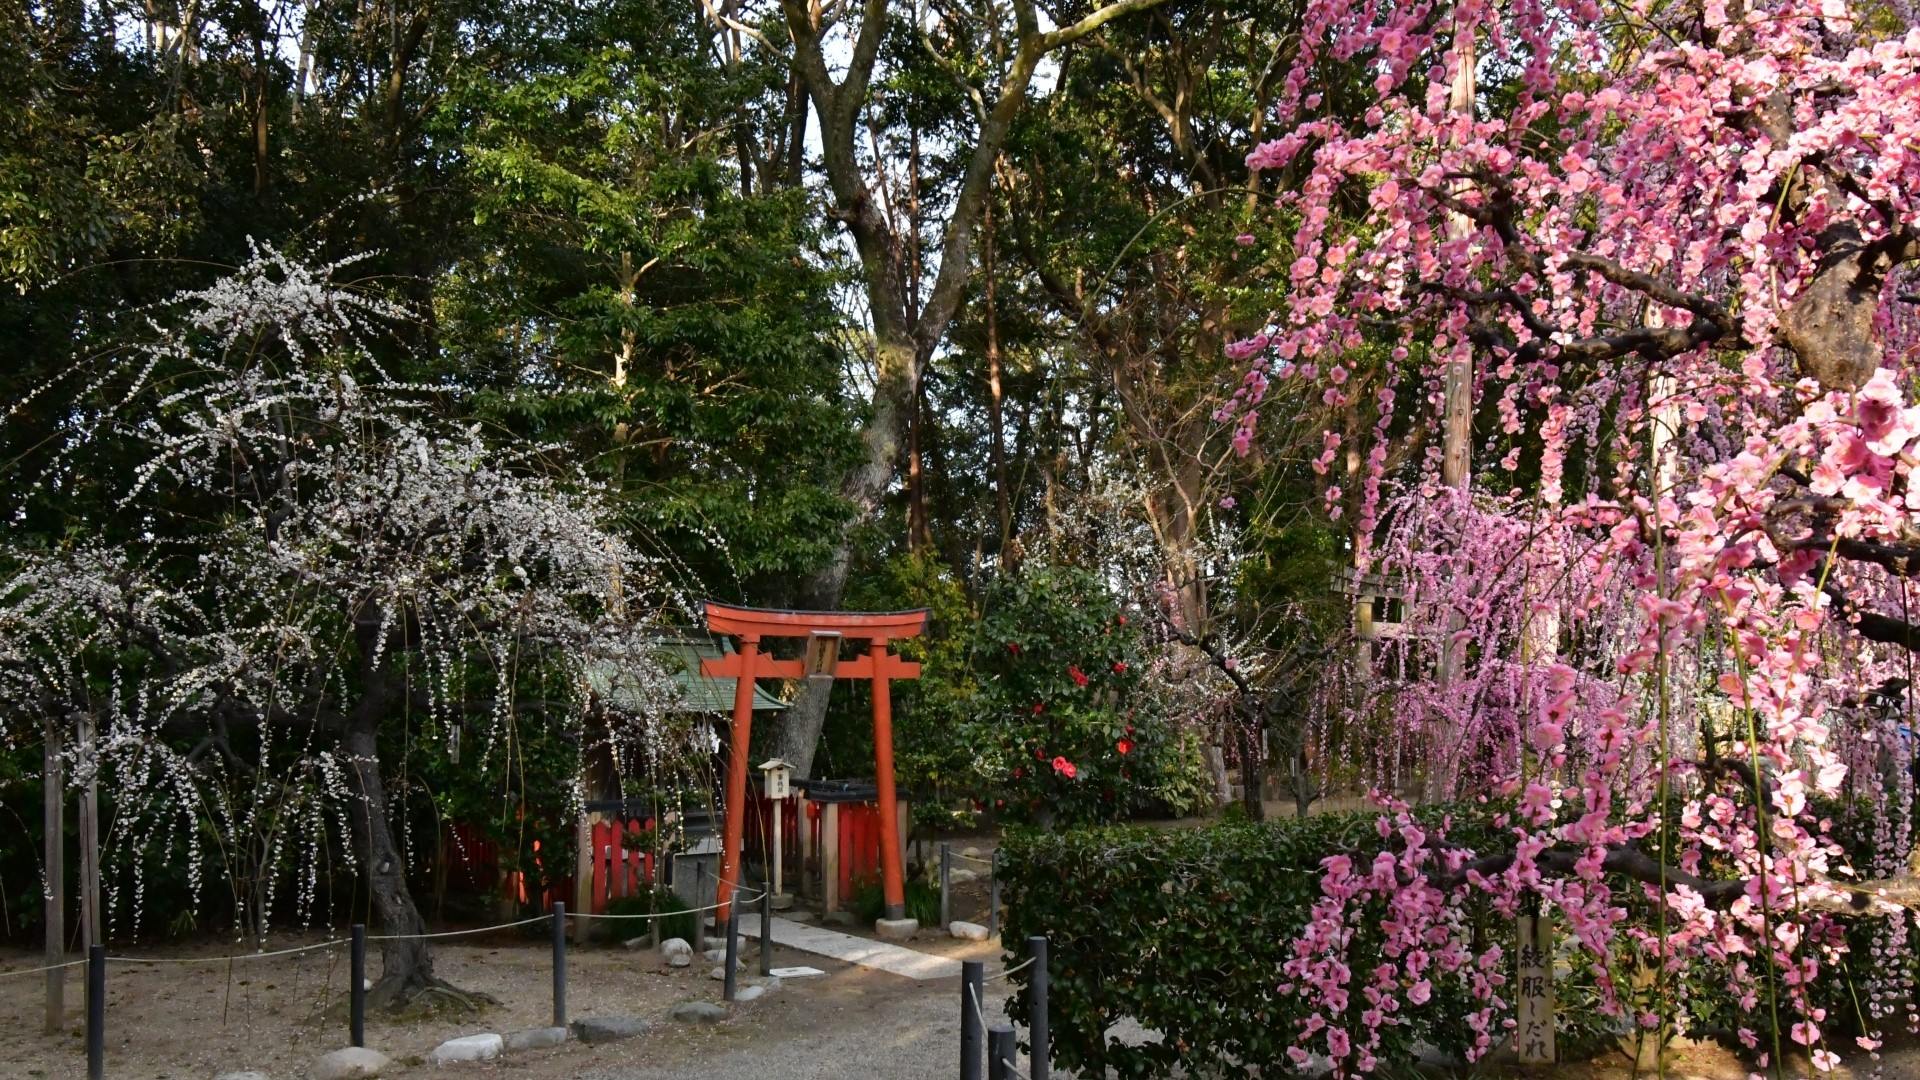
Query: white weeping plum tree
x=318, y=555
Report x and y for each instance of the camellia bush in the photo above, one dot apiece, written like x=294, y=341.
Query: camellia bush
x=1060, y=727
x=1669, y=252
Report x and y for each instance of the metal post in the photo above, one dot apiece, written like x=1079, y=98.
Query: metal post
x=559, y=963
x=946, y=885
x=779, y=831
x=96, y=1012
x=766, y=933
x=1037, y=1006
x=993, y=896
x=359, y=996
x=733, y=956
x=1004, y=1051
x=973, y=1031
x=699, y=902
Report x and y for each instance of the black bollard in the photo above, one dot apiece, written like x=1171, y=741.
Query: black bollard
x=559, y=964
x=973, y=1029
x=358, y=999
x=993, y=897
x=1005, y=1053
x=946, y=885
x=766, y=933
x=1037, y=1006
x=96, y=1012
x=733, y=950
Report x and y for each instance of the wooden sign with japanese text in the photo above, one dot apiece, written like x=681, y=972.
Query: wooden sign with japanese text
x=1533, y=970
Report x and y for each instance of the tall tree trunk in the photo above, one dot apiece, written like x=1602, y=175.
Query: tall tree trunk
x=406, y=965
x=996, y=416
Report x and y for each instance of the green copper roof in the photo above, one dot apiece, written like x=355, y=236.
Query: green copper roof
x=698, y=693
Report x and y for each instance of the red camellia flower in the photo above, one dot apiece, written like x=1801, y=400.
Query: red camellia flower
x=1121, y=667
x=1069, y=770
x=1037, y=707
x=1061, y=764
x=1013, y=647
x=1079, y=677
x=1123, y=620
x=1125, y=746
x=1018, y=773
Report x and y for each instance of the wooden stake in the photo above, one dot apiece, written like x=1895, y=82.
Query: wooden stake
x=55, y=886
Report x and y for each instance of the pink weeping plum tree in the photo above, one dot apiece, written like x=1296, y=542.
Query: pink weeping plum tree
x=1669, y=624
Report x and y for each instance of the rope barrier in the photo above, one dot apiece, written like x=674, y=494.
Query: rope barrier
x=458, y=933
x=41, y=970
x=973, y=859
x=738, y=899
x=1021, y=966
x=222, y=959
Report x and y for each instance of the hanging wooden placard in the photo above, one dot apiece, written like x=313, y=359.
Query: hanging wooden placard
x=1533, y=1036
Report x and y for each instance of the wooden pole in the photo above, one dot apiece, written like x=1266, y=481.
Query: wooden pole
x=830, y=858
x=55, y=885
x=892, y=872
x=737, y=780
x=90, y=837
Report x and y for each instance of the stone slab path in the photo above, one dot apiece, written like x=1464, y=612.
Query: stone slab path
x=878, y=955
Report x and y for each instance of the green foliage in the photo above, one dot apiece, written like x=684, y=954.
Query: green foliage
x=629, y=917
x=1185, y=931
x=1059, y=727
x=869, y=901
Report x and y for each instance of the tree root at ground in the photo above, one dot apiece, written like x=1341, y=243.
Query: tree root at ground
x=398, y=994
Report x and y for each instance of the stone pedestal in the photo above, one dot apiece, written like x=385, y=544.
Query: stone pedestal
x=897, y=929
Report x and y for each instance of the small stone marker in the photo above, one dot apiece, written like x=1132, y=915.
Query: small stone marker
x=749, y=993
x=678, y=951
x=970, y=853
x=537, y=1038
x=716, y=956
x=248, y=1074
x=718, y=974
x=698, y=1012
x=483, y=1047
x=967, y=931
x=1533, y=1034
x=796, y=972
x=603, y=1029
x=960, y=875
x=351, y=1063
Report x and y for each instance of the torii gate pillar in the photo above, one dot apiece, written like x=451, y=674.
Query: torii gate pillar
x=825, y=629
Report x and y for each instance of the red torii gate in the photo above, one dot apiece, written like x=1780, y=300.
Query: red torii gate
x=824, y=631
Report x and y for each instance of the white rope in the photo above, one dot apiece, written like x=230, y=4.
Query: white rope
x=222, y=959
x=336, y=942
x=736, y=901
x=1024, y=964
x=39, y=970
x=457, y=933
x=973, y=859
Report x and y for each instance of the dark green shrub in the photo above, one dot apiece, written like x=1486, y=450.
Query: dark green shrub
x=632, y=921
x=1186, y=931
x=923, y=901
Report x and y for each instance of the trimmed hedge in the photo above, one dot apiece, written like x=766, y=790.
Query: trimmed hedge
x=1185, y=931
